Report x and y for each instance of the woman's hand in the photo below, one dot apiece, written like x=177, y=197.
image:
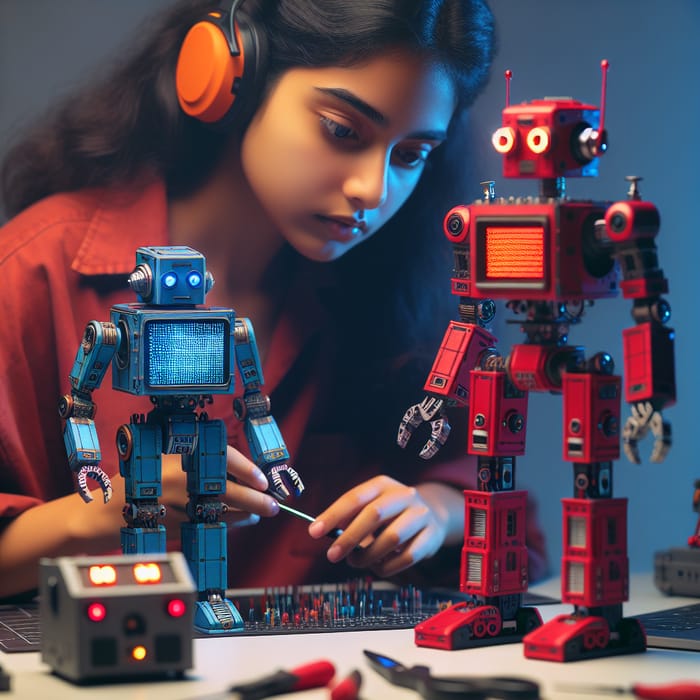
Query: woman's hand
x=388, y=526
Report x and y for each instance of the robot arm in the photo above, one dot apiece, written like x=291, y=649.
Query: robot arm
x=631, y=227
x=461, y=350
x=267, y=446
x=97, y=348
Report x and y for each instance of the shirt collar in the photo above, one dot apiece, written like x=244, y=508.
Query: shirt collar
x=123, y=220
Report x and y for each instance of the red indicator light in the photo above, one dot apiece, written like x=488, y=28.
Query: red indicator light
x=96, y=612
x=147, y=573
x=102, y=575
x=176, y=607
x=515, y=252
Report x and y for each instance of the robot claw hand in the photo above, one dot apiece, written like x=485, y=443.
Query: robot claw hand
x=100, y=476
x=423, y=412
x=644, y=417
x=283, y=480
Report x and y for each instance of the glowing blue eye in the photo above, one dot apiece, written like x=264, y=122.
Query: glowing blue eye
x=194, y=279
x=169, y=280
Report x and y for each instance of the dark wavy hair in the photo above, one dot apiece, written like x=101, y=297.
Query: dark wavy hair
x=128, y=125
x=130, y=122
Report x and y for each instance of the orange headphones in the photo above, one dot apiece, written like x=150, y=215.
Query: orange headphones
x=220, y=67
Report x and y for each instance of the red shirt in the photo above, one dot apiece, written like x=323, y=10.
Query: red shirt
x=64, y=262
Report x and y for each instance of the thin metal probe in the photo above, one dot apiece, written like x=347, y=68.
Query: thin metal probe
x=333, y=534
x=305, y=516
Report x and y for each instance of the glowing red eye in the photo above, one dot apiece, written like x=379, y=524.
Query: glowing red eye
x=503, y=140
x=176, y=607
x=96, y=612
x=538, y=139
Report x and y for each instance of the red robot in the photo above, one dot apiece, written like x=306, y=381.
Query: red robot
x=548, y=257
x=694, y=539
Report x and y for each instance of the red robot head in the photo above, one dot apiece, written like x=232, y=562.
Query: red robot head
x=551, y=138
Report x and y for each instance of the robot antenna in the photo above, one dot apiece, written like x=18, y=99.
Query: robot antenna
x=508, y=76
x=604, y=65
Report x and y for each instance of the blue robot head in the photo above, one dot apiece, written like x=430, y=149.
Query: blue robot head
x=170, y=276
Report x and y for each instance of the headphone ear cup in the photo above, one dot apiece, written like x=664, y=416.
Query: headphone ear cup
x=215, y=84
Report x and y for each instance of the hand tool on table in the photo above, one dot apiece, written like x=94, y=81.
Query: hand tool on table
x=316, y=674
x=431, y=687
x=348, y=688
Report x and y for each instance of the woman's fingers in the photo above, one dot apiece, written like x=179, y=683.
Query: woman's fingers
x=395, y=525
x=391, y=522
x=244, y=471
x=242, y=498
x=239, y=518
x=396, y=536
x=422, y=546
x=244, y=495
x=246, y=487
x=344, y=510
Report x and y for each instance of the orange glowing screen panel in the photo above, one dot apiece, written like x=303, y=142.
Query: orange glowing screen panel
x=514, y=252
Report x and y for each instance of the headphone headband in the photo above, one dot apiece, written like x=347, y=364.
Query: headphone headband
x=233, y=43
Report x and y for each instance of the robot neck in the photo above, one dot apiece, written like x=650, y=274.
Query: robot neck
x=553, y=187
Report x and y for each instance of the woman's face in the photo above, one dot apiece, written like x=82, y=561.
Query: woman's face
x=333, y=153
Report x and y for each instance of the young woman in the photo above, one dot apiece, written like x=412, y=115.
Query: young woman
x=318, y=206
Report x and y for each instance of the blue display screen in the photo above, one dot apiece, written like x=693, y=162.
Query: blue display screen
x=186, y=352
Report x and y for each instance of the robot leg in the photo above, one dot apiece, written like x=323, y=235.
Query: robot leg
x=140, y=453
x=494, y=555
x=595, y=579
x=204, y=541
x=595, y=567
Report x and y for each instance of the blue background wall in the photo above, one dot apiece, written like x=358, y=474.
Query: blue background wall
x=553, y=47
x=653, y=120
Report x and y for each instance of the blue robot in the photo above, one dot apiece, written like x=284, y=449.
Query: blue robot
x=172, y=348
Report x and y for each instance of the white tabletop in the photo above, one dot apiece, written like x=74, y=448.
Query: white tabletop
x=220, y=662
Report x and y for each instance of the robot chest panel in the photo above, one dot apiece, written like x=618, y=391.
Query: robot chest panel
x=165, y=351
x=548, y=252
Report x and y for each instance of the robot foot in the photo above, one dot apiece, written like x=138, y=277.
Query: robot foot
x=217, y=617
x=574, y=637
x=463, y=626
